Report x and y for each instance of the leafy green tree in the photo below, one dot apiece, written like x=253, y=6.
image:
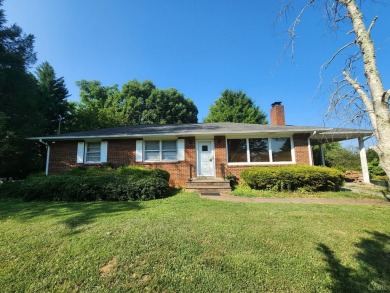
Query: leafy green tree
x=233, y=106
x=54, y=94
x=137, y=103
x=145, y=104
x=97, y=108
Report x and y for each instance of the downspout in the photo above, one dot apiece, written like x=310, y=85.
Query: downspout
x=47, y=155
x=310, y=149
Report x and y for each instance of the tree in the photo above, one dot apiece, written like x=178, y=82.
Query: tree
x=367, y=97
x=136, y=103
x=237, y=107
x=19, y=101
x=99, y=107
x=54, y=94
x=145, y=104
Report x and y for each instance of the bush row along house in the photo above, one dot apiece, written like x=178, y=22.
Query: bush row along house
x=188, y=151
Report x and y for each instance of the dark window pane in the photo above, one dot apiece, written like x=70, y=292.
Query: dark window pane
x=258, y=148
x=237, y=150
x=169, y=145
x=205, y=148
x=152, y=145
x=281, y=149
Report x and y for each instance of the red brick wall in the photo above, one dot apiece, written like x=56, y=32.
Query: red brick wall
x=63, y=156
x=122, y=153
x=301, y=149
x=220, y=154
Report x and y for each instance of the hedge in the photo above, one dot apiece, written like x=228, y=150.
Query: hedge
x=88, y=188
x=124, y=170
x=292, y=178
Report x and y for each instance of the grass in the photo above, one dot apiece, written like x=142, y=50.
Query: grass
x=363, y=192
x=188, y=244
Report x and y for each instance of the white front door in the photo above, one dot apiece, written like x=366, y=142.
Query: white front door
x=205, y=158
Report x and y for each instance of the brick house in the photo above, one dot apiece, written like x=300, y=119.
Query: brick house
x=190, y=151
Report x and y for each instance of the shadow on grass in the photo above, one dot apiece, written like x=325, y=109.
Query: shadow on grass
x=373, y=271
x=72, y=214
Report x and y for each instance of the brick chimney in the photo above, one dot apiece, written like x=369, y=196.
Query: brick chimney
x=277, y=114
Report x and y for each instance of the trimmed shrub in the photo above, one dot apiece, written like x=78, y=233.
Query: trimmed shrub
x=158, y=173
x=292, y=178
x=88, y=188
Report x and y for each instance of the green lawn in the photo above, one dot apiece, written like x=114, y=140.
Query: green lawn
x=188, y=244
x=364, y=192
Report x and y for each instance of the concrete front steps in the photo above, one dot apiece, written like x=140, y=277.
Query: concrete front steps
x=208, y=185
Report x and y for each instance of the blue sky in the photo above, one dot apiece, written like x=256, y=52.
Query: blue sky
x=198, y=47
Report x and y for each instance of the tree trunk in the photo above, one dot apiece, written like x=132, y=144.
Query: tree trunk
x=378, y=106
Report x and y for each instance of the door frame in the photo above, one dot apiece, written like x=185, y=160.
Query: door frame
x=198, y=167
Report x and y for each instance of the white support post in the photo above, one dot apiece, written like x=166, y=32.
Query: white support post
x=322, y=154
x=47, y=159
x=363, y=161
x=310, y=152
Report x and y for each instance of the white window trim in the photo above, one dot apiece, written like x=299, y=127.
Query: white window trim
x=160, y=151
x=248, y=163
x=85, y=162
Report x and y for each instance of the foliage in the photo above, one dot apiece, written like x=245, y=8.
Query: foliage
x=137, y=103
x=233, y=106
x=28, y=107
x=129, y=170
x=19, y=101
x=54, y=94
x=163, y=246
x=88, y=188
x=337, y=157
x=291, y=178
x=373, y=165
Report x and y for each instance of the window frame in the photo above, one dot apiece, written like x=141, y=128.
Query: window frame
x=270, y=157
x=86, y=152
x=160, y=151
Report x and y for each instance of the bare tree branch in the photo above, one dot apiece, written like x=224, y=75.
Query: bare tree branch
x=338, y=52
x=364, y=97
x=291, y=30
x=372, y=24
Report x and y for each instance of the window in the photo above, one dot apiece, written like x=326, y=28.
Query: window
x=281, y=149
x=157, y=150
x=259, y=150
x=237, y=150
x=92, y=152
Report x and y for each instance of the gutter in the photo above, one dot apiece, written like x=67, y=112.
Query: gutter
x=47, y=155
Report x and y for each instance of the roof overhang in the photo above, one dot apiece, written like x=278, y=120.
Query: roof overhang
x=317, y=134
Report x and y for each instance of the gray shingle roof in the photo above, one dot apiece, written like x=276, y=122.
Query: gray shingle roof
x=181, y=130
